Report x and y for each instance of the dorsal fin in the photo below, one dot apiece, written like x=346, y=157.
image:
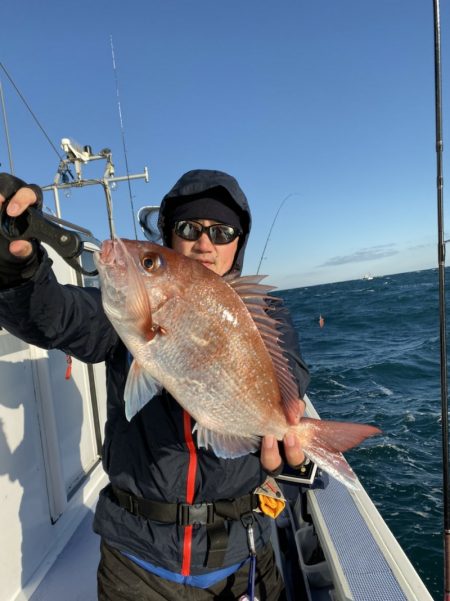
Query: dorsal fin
x=254, y=295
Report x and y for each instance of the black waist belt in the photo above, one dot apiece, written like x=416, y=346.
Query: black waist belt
x=185, y=514
x=213, y=515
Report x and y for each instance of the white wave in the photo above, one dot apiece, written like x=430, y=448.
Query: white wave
x=336, y=383
x=384, y=389
x=388, y=446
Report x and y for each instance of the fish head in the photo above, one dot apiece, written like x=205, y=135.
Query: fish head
x=138, y=277
x=126, y=267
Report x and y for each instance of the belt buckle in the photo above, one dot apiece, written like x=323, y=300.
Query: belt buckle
x=133, y=505
x=198, y=513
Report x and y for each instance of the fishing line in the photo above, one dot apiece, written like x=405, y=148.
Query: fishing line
x=31, y=111
x=123, y=136
x=5, y=125
x=442, y=316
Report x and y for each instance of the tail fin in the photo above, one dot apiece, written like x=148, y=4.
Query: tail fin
x=325, y=441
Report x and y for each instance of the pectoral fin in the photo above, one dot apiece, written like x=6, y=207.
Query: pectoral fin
x=140, y=388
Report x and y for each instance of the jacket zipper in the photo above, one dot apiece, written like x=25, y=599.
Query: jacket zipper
x=190, y=491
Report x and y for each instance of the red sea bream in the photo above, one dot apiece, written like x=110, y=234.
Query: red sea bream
x=211, y=344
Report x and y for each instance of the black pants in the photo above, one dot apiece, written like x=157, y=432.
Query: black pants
x=120, y=579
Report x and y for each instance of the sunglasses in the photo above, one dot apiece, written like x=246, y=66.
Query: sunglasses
x=218, y=233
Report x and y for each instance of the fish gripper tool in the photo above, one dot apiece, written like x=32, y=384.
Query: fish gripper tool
x=32, y=224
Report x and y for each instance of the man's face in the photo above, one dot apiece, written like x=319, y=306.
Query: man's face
x=217, y=257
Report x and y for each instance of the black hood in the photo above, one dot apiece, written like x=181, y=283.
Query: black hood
x=211, y=184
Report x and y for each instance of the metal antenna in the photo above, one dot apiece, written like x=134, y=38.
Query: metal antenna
x=442, y=318
x=271, y=228
x=123, y=136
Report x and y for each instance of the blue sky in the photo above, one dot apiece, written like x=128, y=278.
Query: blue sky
x=329, y=103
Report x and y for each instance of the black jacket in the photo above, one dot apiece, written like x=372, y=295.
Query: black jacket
x=150, y=455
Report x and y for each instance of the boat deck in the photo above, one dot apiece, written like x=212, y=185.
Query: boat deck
x=330, y=543
x=361, y=561
x=73, y=576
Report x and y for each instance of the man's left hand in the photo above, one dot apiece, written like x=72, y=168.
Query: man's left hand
x=270, y=454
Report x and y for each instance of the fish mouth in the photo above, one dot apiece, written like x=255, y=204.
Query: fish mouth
x=112, y=254
x=108, y=252
x=111, y=264
x=111, y=259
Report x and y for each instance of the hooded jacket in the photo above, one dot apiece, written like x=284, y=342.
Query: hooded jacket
x=207, y=183
x=155, y=455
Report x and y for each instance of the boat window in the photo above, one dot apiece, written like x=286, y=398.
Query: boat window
x=71, y=403
x=87, y=262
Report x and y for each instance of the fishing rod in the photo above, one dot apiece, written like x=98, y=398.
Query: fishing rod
x=271, y=228
x=442, y=316
x=122, y=131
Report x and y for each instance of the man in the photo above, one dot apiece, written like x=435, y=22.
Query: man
x=155, y=545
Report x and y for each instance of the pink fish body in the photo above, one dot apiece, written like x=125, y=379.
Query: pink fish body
x=211, y=344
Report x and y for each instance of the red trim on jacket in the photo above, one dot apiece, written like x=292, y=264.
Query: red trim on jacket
x=190, y=491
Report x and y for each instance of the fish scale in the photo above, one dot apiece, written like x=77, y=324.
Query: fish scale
x=206, y=367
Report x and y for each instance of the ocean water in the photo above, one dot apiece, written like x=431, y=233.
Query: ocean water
x=376, y=360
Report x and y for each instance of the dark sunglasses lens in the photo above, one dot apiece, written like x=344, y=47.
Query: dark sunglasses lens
x=187, y=230
x=222, y=234
x=218, y=234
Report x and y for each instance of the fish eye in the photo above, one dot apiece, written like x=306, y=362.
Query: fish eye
x=150, y=262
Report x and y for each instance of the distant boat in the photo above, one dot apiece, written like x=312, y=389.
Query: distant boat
x=367, y=276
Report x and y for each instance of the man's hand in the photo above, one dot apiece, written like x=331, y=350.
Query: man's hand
x=271, y=459
x=18, y=259
x=19, y=197
x=270, y=454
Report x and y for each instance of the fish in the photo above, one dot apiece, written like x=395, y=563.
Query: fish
x=211, y=343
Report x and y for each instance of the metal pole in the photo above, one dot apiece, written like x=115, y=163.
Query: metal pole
x=109, y=209
x=442, y=316
x=96, y=182
x=105, y=183
x=56, y=199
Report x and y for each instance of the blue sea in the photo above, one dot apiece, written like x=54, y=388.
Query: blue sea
x=376, y=360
